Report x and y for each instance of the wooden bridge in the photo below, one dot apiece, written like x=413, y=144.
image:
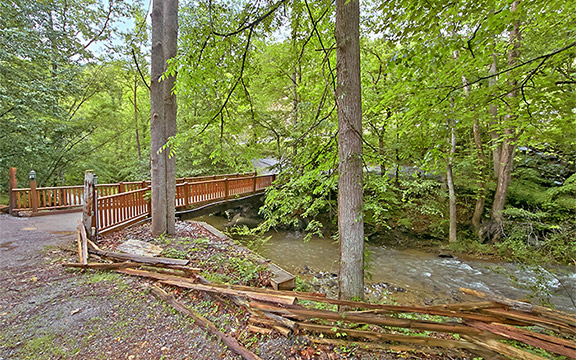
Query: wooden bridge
x=108, y=207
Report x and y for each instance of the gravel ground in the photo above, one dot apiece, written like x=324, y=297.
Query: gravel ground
x=49, y=312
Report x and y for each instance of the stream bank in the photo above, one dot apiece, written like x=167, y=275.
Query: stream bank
x=408, y=276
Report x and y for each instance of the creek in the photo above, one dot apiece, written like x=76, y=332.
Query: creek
x=414, y=276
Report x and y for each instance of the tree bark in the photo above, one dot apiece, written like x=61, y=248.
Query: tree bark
x=482, y=163
x=349, y=103
x=170, y=109
x=453, y=218
x=497, y=147
x=495, y=228
x=157, y=123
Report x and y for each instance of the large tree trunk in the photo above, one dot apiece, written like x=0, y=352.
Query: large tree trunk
x=348, y=100
x=157, y=123
x=494, y=229
x=170, y=109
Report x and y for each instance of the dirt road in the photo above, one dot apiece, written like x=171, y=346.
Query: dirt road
x=47, y=312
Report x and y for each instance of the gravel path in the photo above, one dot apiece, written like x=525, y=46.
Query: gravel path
x=47, y=312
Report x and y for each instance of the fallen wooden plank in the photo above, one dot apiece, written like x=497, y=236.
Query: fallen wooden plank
x=268, y=291
x=468, y=306
x=280, y=299
x=199, y=320
x=138, y=258
x=79, y=243
x=446, y=313
x=152, y=275
x=417, y=340
x=567, y=349
x=531, y=319
x=383, y=308
x=375, y=320
x=381, y=346
x=568, y=319
x=102, y=266
x=84, y=238
x=504, y=349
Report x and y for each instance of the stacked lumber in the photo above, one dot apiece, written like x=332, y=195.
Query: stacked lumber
x=491, y=328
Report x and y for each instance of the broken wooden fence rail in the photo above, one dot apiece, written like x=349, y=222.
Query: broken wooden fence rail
x=199, y=320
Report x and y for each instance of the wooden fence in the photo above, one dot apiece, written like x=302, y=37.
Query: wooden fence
x=108, y=207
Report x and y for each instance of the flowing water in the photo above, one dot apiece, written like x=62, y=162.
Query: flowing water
x=426, y=277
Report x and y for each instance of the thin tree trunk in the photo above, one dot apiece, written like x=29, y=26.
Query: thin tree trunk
x=138, y=147
x=497, y=147
x=482, y=163
x=452, y=234
x=453, y=217
x=170, y=110
x=157, y=123
x=495, y=229
x=349, y=102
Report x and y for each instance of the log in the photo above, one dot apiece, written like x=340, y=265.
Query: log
x=504, y=349
x=417, y=340
x=280, y=299
x=269, y=322
x=567, y=349
x=515, y=304
x=91, y=243
x=199, y=320
x=375, y=320
x=139, y=258
x=258, y=330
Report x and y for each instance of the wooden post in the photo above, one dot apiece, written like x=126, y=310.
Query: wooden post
x=12, y=184
x=226, y=189
x=186, y=194
x=149, y=201
x=254, y=183
x=121, y=187
x=89, y=206
x=33, y=193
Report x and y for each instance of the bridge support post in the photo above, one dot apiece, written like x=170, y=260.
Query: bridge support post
x=33, y=192
x=12, y=184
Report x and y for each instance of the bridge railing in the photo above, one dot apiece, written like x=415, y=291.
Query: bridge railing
x=108, y=207
x=71, y=198
x=122, y=209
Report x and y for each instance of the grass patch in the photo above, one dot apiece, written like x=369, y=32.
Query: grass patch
x=42, y=347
